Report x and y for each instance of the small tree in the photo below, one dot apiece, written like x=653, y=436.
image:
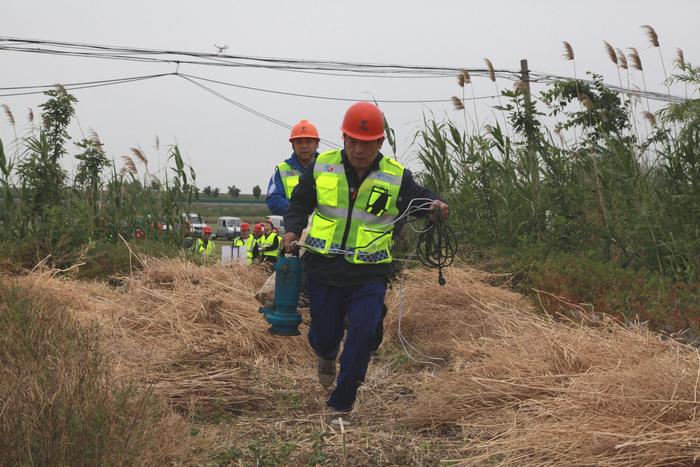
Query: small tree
x=89, y=175
x=215, y=192
x=234, y=191
x=257, y=191
x=40, y=173
x=207, y=190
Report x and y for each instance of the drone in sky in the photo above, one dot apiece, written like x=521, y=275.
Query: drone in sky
x=221, y=48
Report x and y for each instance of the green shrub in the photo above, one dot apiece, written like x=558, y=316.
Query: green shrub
x=626, y=293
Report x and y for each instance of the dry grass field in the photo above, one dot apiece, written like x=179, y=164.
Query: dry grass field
x=468, y=374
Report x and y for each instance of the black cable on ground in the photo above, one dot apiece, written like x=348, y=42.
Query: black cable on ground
x=437, y=245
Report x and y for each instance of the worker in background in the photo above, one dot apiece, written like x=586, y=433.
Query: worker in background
x=305, y=139
x=355, y=194
x=269, y=244
x=246, y=240
x=258, y=231
x=204, y=246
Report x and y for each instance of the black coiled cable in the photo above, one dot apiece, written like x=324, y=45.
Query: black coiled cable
x=437, y=245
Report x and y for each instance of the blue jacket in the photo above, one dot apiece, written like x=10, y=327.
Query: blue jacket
x=276, y=199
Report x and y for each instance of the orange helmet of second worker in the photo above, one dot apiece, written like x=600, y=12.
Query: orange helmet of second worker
x=304, y=129
x=363, y=121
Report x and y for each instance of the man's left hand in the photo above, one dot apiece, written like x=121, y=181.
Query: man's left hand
x=440, y=206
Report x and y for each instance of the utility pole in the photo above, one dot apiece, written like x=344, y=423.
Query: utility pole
x=532, y=162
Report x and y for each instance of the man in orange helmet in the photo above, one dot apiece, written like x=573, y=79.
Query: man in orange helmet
x=305, y=139
x=356, y=195
x=204, y=246
x=247, y=240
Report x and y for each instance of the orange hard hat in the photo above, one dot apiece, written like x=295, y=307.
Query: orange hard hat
x=258, y=228
x=363, y=121
x=245, y=226
x=206, y=229
x=304, y=129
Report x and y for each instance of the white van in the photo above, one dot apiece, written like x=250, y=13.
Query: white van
x=194, y=223
x=227, y=227
x=277, y=222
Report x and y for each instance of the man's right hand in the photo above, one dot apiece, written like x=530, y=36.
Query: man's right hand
x=288, y=241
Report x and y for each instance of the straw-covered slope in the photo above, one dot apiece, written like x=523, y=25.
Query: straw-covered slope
x=480, y=376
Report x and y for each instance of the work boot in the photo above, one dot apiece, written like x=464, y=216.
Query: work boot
x=341, y=420
x=326, y=372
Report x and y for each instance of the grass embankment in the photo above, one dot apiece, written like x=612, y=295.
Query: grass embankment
x=557, y=280
x=504, y=384
x=63, y=403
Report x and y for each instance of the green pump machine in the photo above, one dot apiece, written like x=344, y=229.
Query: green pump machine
x=283, y=316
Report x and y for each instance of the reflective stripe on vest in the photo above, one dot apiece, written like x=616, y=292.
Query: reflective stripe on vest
x=268, y=241
x=290, y=178
x=368, y=240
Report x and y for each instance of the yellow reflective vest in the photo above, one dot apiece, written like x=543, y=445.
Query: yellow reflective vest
x=269, y=240
x=249, y=243
x=361, y=229
x=290, y=178
x=201, y=249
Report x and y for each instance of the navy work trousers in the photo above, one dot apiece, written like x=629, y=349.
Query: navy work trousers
x=331, y=307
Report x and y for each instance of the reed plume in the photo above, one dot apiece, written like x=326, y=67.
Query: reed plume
x=492, y=77
x=610, y=50
x=680, y=59
x=30, y=115
x=634, y=58
x=654, y=41
x=139, y=154
x=520, y=86
x=586, y=100
x=95, y=138
x=8, y=114
x=651, y=35
x=568, y=51
x=492, y=72
x=11, y=118
x=622, y=63
x=569, y=56
x=456, y=101
x=650, y=117
x=679, y=62
x=465, y=78
x=621, y=59
x=636, y=63
x=129, y=165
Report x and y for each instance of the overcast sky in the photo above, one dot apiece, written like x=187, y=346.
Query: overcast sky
x=228, y=146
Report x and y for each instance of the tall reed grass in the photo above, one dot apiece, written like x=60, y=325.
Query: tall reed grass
x=57, y=217
x=632, y=199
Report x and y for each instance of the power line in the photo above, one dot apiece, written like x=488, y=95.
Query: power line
x=80, y=85
x=333, y=68
x=330, y=98
x=250, y=109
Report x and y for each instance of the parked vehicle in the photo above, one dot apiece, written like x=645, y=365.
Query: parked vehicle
x=227, y=227
x=195, y=223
